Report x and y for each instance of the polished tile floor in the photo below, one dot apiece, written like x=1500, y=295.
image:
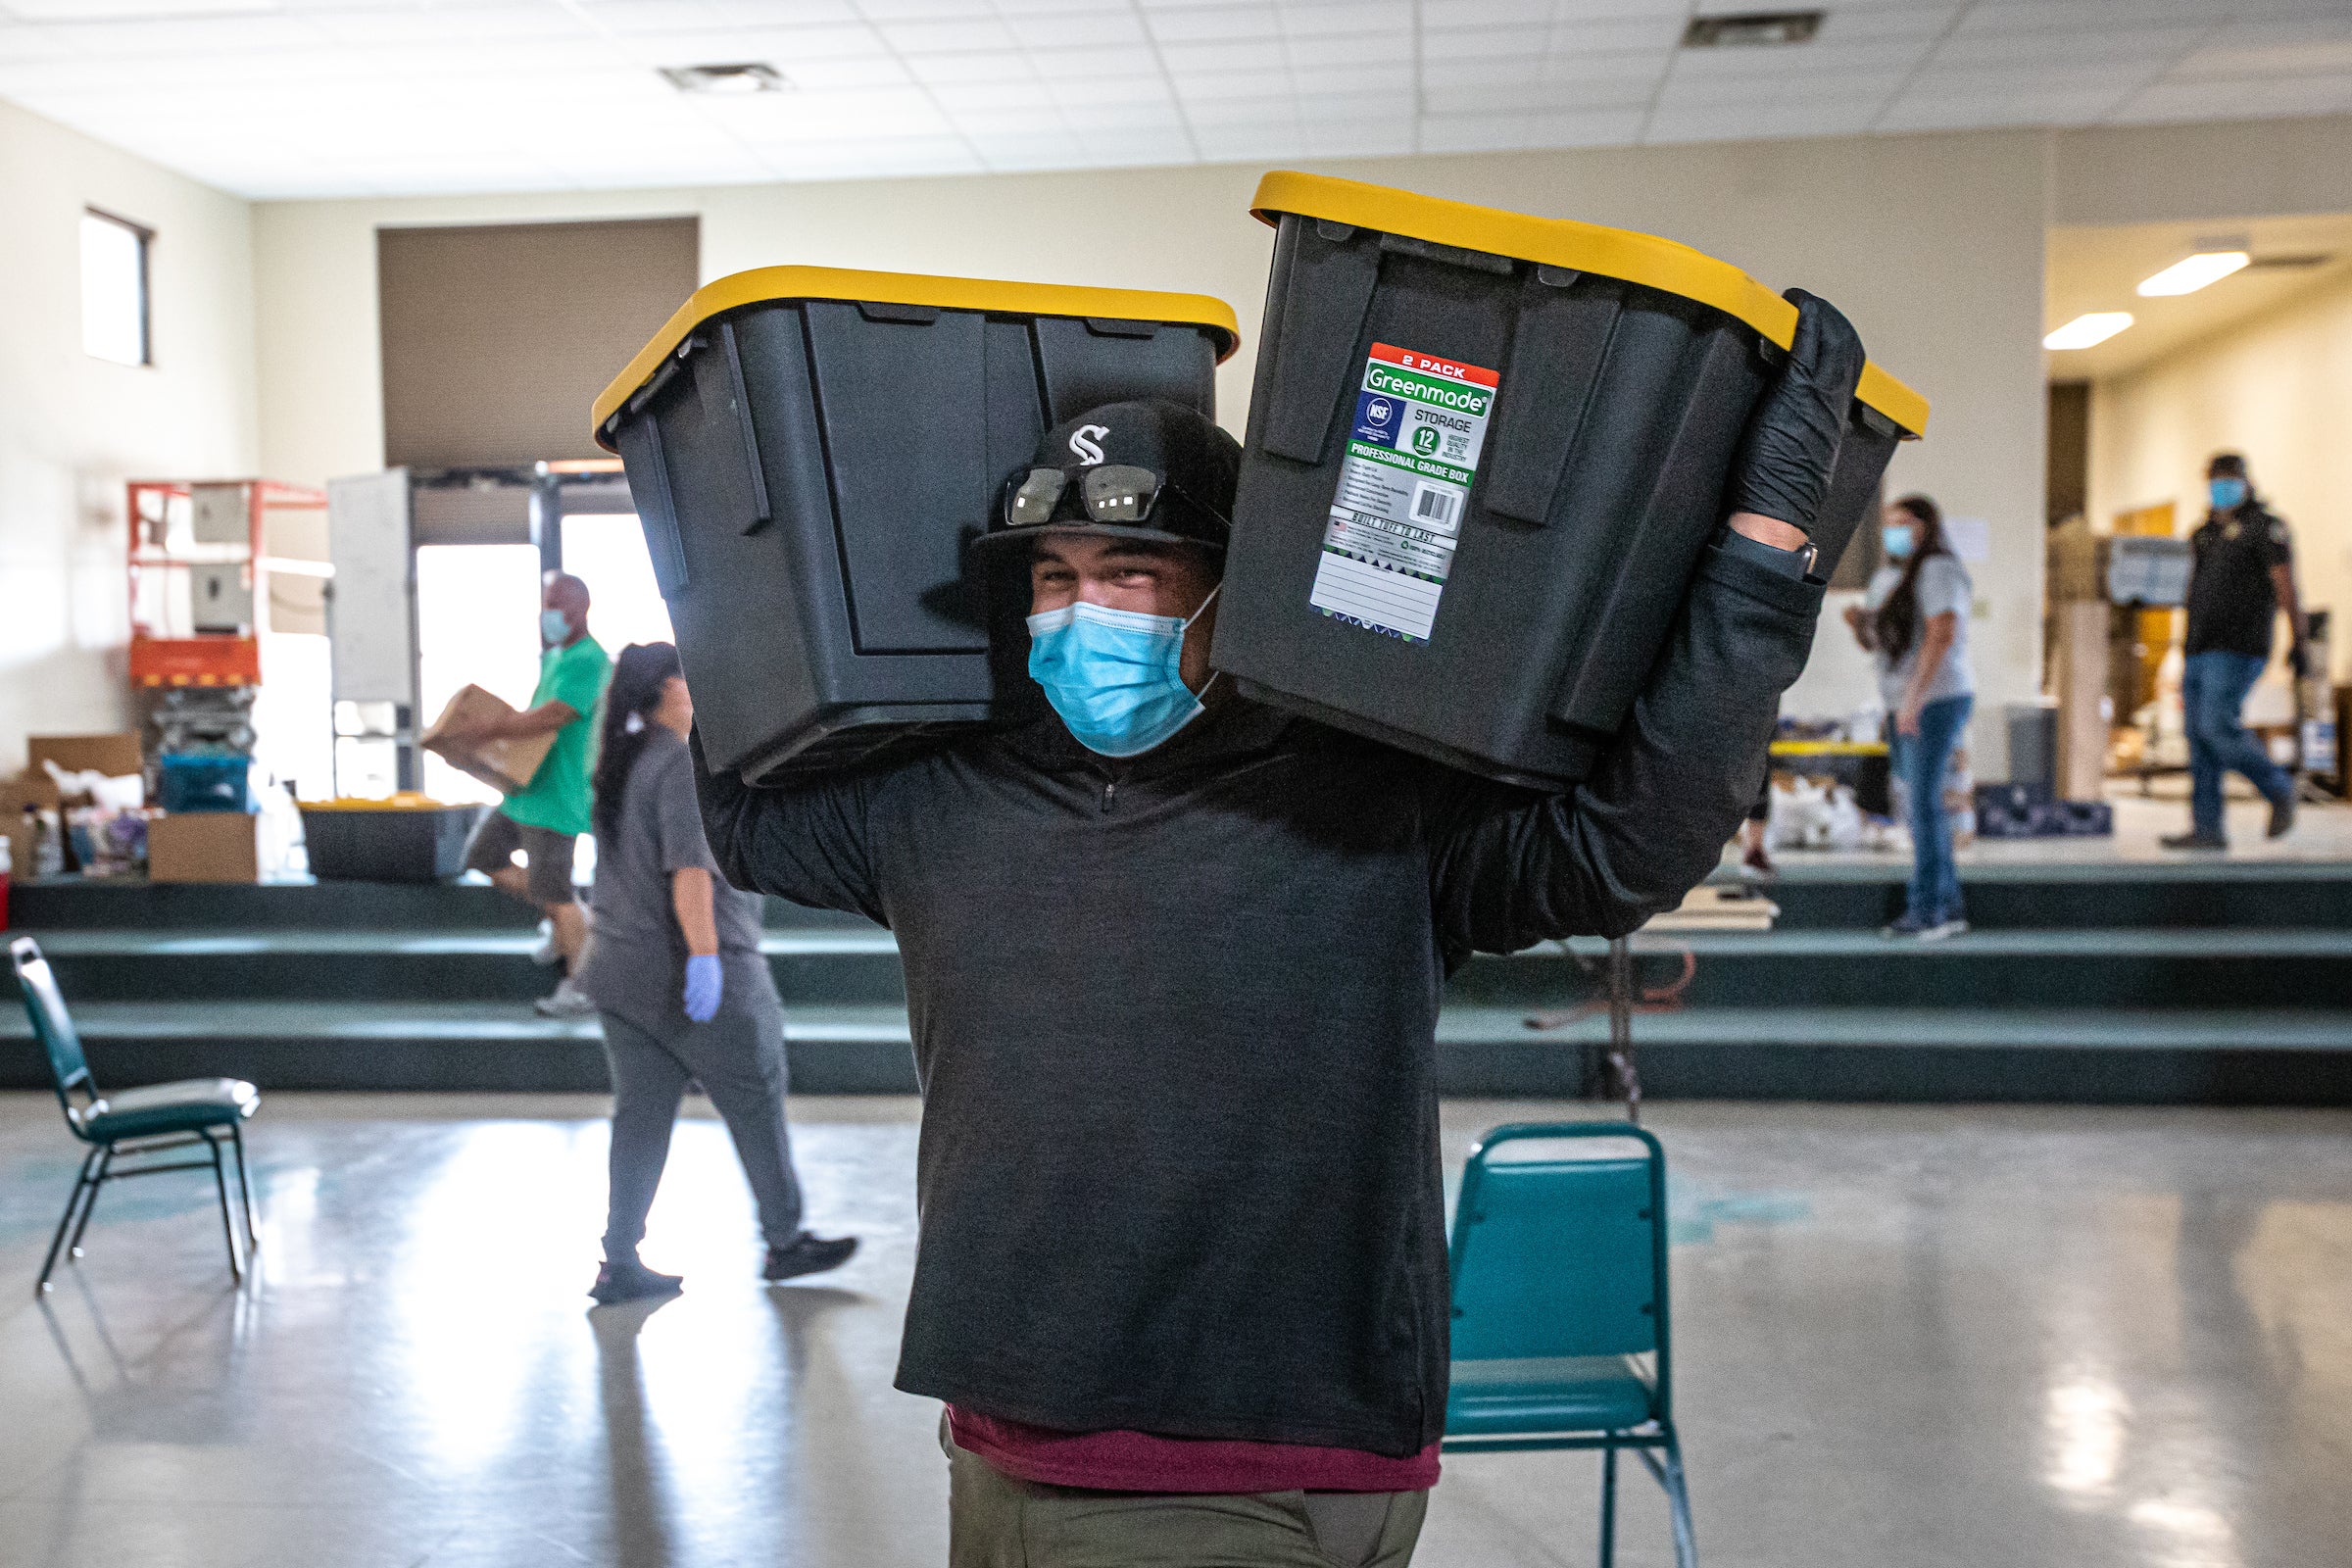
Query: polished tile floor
x=1909, y=1336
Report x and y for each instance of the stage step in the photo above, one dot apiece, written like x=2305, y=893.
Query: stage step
x=829, y=966
x=2162, y=893
x=2104, y=1055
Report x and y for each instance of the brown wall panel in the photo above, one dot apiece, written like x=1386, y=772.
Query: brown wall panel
x=496, y=338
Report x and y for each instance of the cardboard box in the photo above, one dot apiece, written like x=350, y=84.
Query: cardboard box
x=505, y=766
x=31, y=789
x=205, y=846
x=112, y=755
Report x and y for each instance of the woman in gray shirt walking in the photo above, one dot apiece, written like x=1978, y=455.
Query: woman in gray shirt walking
x=678, y=980
x=1915, y=620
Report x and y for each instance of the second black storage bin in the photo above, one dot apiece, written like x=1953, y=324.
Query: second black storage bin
x=1485, y=451
x=810, y=451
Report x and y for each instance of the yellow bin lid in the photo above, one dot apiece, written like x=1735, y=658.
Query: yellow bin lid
x=766, y=284
x=405, y=801
x=1644, y=258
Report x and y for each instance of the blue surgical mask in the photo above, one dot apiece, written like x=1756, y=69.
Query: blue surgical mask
x=1895, y=540
x=554, y=627
x=2227, y=492
x=1115, y=676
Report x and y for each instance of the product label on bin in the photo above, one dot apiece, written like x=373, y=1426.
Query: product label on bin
x=1403, y=486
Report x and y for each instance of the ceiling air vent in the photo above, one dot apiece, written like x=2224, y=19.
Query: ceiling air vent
x=1751, y=29
x=728, y=80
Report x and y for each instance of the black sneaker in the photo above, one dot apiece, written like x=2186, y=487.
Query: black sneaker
x=2282, y=819
x=2195, y=841
x=808, y=1254
x=632, y=1281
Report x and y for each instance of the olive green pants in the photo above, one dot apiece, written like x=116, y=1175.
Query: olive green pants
x=995, y=1521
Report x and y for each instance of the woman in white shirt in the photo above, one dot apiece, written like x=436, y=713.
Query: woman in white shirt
x=1914, y=620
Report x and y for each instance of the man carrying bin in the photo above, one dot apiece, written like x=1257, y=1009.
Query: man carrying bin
x=544, y=818
x=1173, y=963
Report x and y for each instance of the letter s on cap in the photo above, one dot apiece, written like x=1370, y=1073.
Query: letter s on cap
x=1083, y=445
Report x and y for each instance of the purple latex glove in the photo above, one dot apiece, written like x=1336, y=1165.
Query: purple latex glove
x=705, y=981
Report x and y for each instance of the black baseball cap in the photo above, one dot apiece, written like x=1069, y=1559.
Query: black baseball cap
x=1148, y=469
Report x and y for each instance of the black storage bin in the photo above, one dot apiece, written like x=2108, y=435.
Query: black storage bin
x=407, y=838
x=810, y=451
x=1485, y=451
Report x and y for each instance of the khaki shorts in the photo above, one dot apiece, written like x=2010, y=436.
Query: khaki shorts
x=496, y=838
x=995, y=1521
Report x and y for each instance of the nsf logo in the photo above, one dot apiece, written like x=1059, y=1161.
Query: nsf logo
x=1380, y=410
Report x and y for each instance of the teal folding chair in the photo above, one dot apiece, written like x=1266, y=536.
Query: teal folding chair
x=1561, y=1338
x=133, y=1125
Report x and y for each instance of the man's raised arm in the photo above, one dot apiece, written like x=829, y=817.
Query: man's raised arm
x=806, y=843
x=1511, y=867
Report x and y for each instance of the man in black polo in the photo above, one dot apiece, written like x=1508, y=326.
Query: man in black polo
x=1173, y=964
x=2242, y=577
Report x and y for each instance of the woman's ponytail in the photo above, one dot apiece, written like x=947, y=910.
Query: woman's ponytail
x=639, y=677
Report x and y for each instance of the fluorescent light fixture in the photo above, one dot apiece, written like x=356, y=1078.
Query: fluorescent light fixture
x=1748, y=28
x=2189, y=276
x=731, y=81
x=2085, y=330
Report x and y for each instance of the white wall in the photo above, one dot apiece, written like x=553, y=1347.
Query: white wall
x=1933, y=244
x=2277, y=389
x=73, y=428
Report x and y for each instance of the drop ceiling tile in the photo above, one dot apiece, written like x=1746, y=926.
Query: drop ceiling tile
x=1204, y=112
x=941, y=38
x=1814, y=118
x=881, y=11
x=958, y=96
x=1259, y=86
x=1484, y=43
x=787, y=12
x=1377, y=86
x=2088, y=82
x=20, y=41
x=2220, y=98
x=1027, y=152
x=193, y=36
x=1088, y=119
x=651, y=15
x=1213, y=24
x=1089, y=65
x=1075, y=91
x=1827, y=88
x=994, y=65
x=1702, y=65
x=1083, y=31
x=856, y=71
x=1644, y=66
x=2070, y=47
x=1134, y=148
x=781, y=46
x=790, y=115
x=1363, y=18
x=1473, y=134
x=1453, y=15
x=1853, y=25
x=2111, y=15
x=1519, y=98
x=1361, y=49
x=2231, y=55
x=1615, y=35
x=1195, y=59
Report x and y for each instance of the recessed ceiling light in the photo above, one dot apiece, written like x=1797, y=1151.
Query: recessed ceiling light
x=2085, y=331
x=2189, y=276
x=732, y=80
x=1752, y=28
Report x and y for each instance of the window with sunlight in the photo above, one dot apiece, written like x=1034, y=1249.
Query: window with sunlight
x=113, y=289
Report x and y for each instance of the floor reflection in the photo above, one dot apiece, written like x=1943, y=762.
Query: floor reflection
x=1929, y=1337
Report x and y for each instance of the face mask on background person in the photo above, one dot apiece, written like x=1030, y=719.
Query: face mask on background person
x=1895, y=540
x=2227, y=492
x=554, y=627
x=1115, y=676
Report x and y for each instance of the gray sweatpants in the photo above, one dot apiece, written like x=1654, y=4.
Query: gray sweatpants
x=739, y=1058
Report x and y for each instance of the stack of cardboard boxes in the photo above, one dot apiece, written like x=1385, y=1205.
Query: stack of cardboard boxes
x=184, y=846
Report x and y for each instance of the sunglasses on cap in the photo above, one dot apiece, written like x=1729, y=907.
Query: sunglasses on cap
x=1111, y=492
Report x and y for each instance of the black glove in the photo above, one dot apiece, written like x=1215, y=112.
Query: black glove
x=1791, y=447
x=2298, y=657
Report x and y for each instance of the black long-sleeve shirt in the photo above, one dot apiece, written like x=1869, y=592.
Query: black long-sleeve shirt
x=1174, y=1020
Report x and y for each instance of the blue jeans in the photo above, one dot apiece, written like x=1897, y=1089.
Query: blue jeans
x=1921, y=761
x=2213, y=690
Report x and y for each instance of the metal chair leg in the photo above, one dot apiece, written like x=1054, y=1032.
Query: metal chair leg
x=65, y=1221
x=229, y=1224
x=236, y=1134
x=1609, y=1508
x=89, y=1206
x=1678, y=1497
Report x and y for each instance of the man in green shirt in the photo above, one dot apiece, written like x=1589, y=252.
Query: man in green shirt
x=544, y=818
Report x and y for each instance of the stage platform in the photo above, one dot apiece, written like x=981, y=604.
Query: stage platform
x=2091, y=977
